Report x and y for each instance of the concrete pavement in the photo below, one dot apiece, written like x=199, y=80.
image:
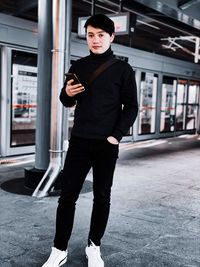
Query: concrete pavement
x=154, y=219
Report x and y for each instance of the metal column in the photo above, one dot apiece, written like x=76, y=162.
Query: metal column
x=44, y=84
x=61, y=9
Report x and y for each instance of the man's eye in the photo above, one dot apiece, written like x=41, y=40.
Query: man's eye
x=100, y=35
x=90, y=35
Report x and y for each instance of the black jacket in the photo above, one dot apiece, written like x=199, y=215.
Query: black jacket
x=108, y=106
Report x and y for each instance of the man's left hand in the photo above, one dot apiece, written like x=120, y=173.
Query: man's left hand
x=113, y=140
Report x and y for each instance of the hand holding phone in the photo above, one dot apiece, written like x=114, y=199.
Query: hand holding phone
x=72, y=76
x=74, y=86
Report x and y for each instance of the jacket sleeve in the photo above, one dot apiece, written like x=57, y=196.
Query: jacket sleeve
x=129, y=105
x=66, y=100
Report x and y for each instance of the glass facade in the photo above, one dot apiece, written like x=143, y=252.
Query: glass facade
x=162, y=113
x=177, y=102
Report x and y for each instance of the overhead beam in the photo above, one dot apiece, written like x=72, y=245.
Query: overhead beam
x=184, y=4
x=24, y=5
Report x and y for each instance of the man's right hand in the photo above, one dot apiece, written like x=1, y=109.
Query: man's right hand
x=72, y=90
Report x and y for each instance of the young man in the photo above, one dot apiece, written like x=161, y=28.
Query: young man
x=105, y=110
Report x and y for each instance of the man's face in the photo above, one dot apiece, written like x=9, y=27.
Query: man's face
x=98, y=40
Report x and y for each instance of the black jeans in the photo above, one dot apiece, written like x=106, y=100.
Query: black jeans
x=83, y=154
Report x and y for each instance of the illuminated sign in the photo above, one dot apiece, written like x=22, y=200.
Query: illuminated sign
x=120, y=20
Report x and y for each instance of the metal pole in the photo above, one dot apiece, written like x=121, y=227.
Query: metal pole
x=59, y=29
x=197, y=50
x=44, y=84
x=65, y=121
x=93, y=7
x=120, y=6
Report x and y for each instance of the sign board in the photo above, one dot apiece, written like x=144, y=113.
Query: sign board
x=120, y=20
x=24, y=93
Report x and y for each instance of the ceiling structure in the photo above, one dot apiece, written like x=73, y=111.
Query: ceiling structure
x=150, y=21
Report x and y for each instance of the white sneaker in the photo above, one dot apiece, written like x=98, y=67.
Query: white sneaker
x=56, y=258
x=94, y=256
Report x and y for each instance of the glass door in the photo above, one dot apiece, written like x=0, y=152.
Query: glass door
x=192, y=107
x=18, y=102
x=23, y=98
x=181, y=102
x=168, y=100
x=179, y=105
x=147, y=103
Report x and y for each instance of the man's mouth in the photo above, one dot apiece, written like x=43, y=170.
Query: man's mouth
x=96, y=47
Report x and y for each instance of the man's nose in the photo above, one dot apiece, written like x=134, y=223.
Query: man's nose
x=95, y=39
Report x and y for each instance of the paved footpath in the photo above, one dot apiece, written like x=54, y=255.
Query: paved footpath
x=155, y=211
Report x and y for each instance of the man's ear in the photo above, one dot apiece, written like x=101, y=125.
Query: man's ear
x=112, y=37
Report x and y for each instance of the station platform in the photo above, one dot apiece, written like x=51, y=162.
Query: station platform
x=154, y=219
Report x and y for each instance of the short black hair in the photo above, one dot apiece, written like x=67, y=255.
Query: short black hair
x=101, y=21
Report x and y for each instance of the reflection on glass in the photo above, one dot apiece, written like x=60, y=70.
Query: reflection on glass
x=24, y=93
x=71, y=120
x=147, y=103
x=168, y=104
x=130, y=132
x=181, y=104
x=192, y=108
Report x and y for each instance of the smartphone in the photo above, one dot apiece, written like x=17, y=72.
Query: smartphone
x=72, y=76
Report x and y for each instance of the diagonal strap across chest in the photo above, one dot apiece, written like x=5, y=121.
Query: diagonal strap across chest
x=99, y=70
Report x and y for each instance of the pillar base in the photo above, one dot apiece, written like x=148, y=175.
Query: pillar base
x=32, y=177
